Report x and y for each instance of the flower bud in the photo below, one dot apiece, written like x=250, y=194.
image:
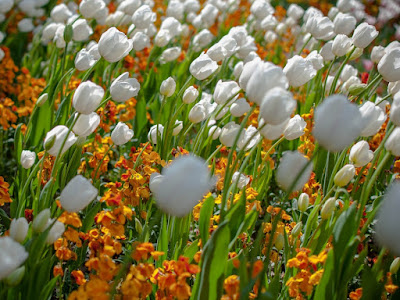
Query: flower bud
x=155, y=133
x=168, y=87
x=297, y=229
x=295, y=128
x=121, y=134
x=395, y=265
x=68, y=33
x=328, y=208
x=42, y=99
x=27, y=158
x=344, y=175
x=77, y=194
x=50, y=142
x=279, y=242
x=357, y=88
x=377, y=53
x=177, y=128
x=15, y=277
x=81, y=30
x=356, y=53
x=138, y=226
x=341, y=45
x=190, y=95
x=40, y=221
x=241, y=179
x=303, y=202
x=226, y=90
x=19, y=229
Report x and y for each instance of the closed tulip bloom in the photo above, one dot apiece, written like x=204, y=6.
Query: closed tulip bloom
x=377, y=53
x=81, y=30
x=389, y=65
x=87, y=97
x=198, y=113
x=55, y=232
x=39, y=223
x=360, y=154
x=84, y=60
x=168, y=87
x=239, y=107
x=320, y=28
x=303, y=202
x=393, y=142
x=249, y=138
x=114, y=45
x=13, y=254
x=86, y=124
x=19, y=229
x=337, y=123
x=341, y=45
x=395, y=110
x=59, y=133
x=364, y=35
x=229, y=133
x=6, y=5
x=344, y=23
x=326, y=51
x=177, y=128
x=393, y=87
x=170, y=54
x=299, y=71
x=140, y=41
x=248, y=70
x=77, y=194
x=373, y=117
x=295, y=128
x=316, y=60
x=348, y=72
x=121, y=134
x=27, y=158
x=223, y=49
x=226, y=90
x=265, y=79
x=60, y=13
x=143, y=17
x=155, y=133
x=328, y=208
x=25, y=25
x=190, y=95
x=344, y=175
x=202, y=67
x=387, y=226
x=91, y=8
x=214, y=132
x=272, y=132
x=184, y=183
x=124, y=88
x=277, y=106
x=241, y=179
x=289, y=172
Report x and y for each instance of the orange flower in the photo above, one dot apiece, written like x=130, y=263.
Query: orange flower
x=79, y=277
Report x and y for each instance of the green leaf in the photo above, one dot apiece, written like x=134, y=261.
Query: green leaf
x=191, y=250
x=324, y=288
x=205, y=215
x=88, y=220
x=47, y=290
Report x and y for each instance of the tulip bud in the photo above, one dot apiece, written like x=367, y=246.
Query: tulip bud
x=40, y=221
x=155, y=133
x=297, y=229
x=50, y=142
x=372, y=118
x=81, y=30
x=360, y=155
x=344, y=175
x=138, y=226
x=326, y=51
x=341, y=45
x=190, y=95
x=77, y=194
x=290, y=171
x=214, y=132
x=168, y=87
x=177, y=128
x=15, y=277
x=42, y=99
x=344, y=23
x=303, y=202
x=395, y=265
x=19, y=229
x=356, y=53
x=328, y=208
x=295, y=128
x=68, y=33
x=27, y=158
x=279, y=242
x=241, y=179
x=121, y=134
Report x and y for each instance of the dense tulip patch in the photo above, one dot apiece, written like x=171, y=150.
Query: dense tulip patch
x=190, y=149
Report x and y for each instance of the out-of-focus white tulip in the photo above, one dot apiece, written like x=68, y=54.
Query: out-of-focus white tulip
x=87, y=97
x=121, y=134
x=182, y=185
x=40, y=221
x=170, y=54
x=226, y=90
x=326, y=51
x=386, y=229
x=123, y=88
x=114, y=45
x=140, y=41
x=295, y=11
x=303, y=202
x=27, y=158
x=91, y=8
x=295, y=128
x=239, y=107
x=299, y=71
x=393, y=142
x=223, y=49
x=77, y=194
x=377, y=53
x=272, y=132
x=344, y=175
x=241, y=179
x=289, y=172
x=59, y=133
x=177, y=127
x=86, y=124
x=363, y=35
x=13, y=254
x=389, y=65
x=143, y=17
x=19, y=229
x=337, y=124
x=25, y=25
x=249, y=138
x=81, y=30
x=360, y=155
x=247, y=72
x=229, y=133
x=6, y=5
x=373, y=117
x=277, y=106
x=55, y=232
x=316, y=59
x=320, y=28
x=60, y=13
x=202, y=67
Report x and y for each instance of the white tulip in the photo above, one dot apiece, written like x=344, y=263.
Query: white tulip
x=13, y=254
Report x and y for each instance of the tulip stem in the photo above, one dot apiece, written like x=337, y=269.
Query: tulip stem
x=305, y=45
x=333, y=87
x=383, y=99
